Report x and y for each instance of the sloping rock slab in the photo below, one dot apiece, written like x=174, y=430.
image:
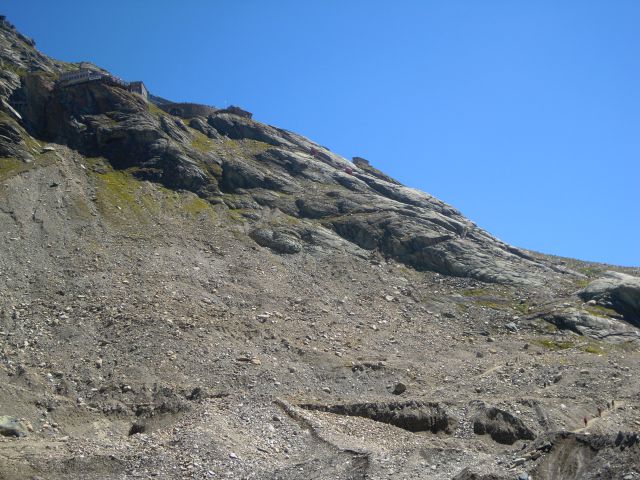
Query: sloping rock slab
x=602, y=328
x=617, y=290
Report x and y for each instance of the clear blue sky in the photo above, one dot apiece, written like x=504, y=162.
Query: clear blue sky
x=525, y=115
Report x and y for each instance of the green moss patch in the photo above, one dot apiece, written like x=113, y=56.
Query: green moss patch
x=10, y=167
x=475, y=292
x=594, y=348
x=201, y=142
x=491, y=304
x=156, y=110
x=121, y=198
x=590, y=271
x=555, y=345
x=600, y=311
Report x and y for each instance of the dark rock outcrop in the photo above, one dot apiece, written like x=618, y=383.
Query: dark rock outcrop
x=502, y=426
x=414, y=416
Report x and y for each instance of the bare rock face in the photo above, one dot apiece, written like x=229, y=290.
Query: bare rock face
x=618, y=291
x=355, y=200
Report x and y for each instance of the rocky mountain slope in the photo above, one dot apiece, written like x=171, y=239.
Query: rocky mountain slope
x=200, y=295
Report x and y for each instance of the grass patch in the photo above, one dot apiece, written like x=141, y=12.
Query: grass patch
x=583, y=282
x=237, y=214
x=590, y=271
x=555, y=345
x=196, y=206
x=254, y=147
x=10, y=167
x=21, y=72
x=119, y=187
x=475, y=292
x=124, y=200
x=600, y=311
x=522, y=308
x=594, y=349
x=491, y=304
x=201, y=142
x=156, y=110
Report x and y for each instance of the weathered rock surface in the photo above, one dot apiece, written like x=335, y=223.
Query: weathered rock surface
x=355, y=200
x=597, y=326
x=618, y=291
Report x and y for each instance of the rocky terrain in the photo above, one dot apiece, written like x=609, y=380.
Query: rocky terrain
x=207, y=296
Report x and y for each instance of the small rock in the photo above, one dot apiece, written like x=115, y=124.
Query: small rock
x=233, y=456
x=511, y=326
x=326, y=389
x=399, y=388
x=11, y=427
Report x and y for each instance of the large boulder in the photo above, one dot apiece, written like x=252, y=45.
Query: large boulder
x=618, y=291
x=502, y=426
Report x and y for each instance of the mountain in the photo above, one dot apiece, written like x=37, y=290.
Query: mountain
x=190, y=293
